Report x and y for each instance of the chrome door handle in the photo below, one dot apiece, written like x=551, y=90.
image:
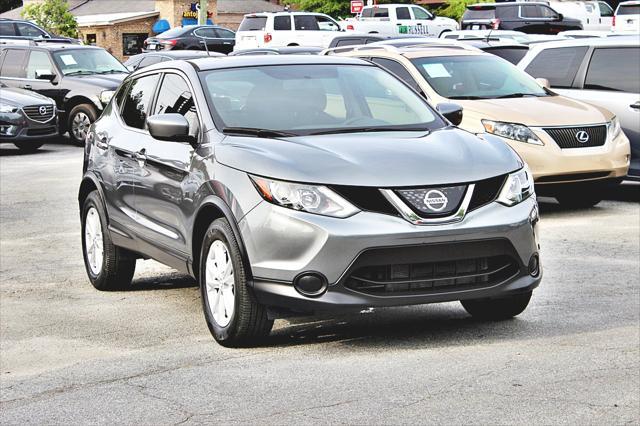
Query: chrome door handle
x=635, y=106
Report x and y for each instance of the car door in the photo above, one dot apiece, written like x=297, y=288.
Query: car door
x=423, y=22
x=162, y=201
x=531, y=21
x=606, y=16
x=307, y=30
x=227, y=40
x=39, y=62
x=125, y=141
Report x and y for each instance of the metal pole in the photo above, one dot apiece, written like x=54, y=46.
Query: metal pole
x=202, y=13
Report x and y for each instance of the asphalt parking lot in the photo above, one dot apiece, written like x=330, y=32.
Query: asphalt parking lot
x=70, y=354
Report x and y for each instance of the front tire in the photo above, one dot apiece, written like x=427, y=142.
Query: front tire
x=233, y=315
x=80, y=119
x=28, y=147
x=109, y=267
x=497, y=309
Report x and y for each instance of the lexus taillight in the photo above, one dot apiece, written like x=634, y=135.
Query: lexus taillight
x=495, y=23
x=171, y=42
x=267, y=38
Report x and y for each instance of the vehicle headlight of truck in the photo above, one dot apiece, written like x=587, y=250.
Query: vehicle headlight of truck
x=106, y=96
x=613, y=128
x=315, y=199
x=517, y=132
x=7, y=109
x=517, y=188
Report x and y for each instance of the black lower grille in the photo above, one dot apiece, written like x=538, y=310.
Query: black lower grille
x=41, y=131
x=433, y=268
x=578, y=137
x=426, y=277
x=572, y=177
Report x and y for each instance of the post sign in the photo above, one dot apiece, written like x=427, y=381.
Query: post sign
x=357, y=6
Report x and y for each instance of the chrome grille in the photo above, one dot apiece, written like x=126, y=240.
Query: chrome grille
x=578, y=137
x=40, y=113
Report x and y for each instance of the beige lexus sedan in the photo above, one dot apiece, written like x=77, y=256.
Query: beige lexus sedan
x=574, y=149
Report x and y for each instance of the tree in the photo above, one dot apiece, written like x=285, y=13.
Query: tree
x=52, y=15
x=335, y=8
x=454, y=9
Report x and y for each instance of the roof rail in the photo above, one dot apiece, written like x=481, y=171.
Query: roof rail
x=396, y=49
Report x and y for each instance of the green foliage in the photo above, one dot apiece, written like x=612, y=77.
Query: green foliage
x=454, y=9
x=335, y=8
x=52, y=15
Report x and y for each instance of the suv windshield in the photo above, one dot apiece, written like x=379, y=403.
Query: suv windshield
x=314, y=99
x=476, y=77
x=87, y=61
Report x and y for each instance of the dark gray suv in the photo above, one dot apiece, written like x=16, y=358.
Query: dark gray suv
x=297, y=184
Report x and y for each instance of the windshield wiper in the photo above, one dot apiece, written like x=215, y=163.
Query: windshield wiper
x=79, y=73
x=369, y=129
x=517, y=95
x=470, y=98
x=252, y=131
x=111, y=72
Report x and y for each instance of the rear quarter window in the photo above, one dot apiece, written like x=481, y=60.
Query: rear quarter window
x=7, y=29
x=253, y=23
x=614, y=69
x=282, y=23
x=13, y=64
x=507, y=12
x=559, y=65
x=511, y=54
x=631, y=9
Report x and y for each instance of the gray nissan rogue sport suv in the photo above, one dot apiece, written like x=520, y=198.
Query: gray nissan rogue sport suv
x=298, y=184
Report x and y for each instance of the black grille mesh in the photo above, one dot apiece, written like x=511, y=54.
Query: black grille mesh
x=366, y=198
x=566, y=137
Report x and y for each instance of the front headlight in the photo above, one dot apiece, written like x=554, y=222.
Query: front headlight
x=517, y=188
x=6, y=108
x=106, y=96
x=315, y=199
x=613, y=128
x=517, y=132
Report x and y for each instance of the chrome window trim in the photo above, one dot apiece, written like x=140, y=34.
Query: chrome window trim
x=412, y=217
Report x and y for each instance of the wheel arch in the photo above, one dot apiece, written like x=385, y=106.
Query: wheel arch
x=76, y=99
x=87, y=186
x=213, y=208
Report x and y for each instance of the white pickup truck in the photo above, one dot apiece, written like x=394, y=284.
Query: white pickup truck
x=395, y=19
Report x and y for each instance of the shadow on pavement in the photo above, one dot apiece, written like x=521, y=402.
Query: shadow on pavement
x=8, y=149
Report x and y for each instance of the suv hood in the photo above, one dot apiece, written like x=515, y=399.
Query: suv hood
x=21, y=97
x=537, y=112
x=106, y=81
x=386, y=159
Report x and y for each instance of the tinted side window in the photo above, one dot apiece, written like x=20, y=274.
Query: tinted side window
x=306, y=23
x=507, y=12
x=282, y=23
x=27, y=30
x=367, y=12
x=380, y=12
x=398, y=70
x=6, y=29
x=530, y=11
x=175, y=97
x=605, y=9
x=616, y=69
x=121, y=93
x=559, y=66
x=511, y=54
x=349, y=42
x=222, y=33
x=547, y=12
x=205, y=33
x=13, y=65
x=420, y=13
x=137, y=100
x=38, y=60
x=149, y=60
x=403, y=13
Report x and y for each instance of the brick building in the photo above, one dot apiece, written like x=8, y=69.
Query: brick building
x=121, y=26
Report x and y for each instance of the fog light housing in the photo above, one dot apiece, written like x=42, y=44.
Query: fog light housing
x=534, y=265
x=6, y=130
x=310, y=284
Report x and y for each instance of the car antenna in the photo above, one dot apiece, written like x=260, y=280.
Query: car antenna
x=206, y=47
x=489, y=35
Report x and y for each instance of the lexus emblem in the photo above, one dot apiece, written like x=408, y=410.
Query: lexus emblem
x=582, y=136
x=43, y=110
x=435, y=200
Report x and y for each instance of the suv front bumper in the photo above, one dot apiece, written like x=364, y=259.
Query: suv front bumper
x=282, y=243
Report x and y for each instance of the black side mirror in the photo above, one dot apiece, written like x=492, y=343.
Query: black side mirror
x=560, y=17
x=45, y=75
x=170, y=127
x=452, y=112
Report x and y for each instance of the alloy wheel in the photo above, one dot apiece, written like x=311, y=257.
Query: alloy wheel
x=220, y=282
x=80, y=126
x=93, y=242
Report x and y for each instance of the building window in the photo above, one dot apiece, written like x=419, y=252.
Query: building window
x=132, y=43
x=91, y=39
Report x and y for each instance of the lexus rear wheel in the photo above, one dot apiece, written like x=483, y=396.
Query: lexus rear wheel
x=109, y=267
x=497, y=309
x=233, y=315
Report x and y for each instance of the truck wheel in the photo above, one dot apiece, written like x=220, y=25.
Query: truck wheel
x=80, y=118
x=497, y=309
x=233, y=315
x=109, y=267
x=28, y=147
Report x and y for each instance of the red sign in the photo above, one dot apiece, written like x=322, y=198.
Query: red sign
x=357, y=6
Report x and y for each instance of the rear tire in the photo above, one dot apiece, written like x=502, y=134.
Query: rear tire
x=233, y=315
x=109, y=267
x=80, y=119
x=28, y=147
x=497, y=309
